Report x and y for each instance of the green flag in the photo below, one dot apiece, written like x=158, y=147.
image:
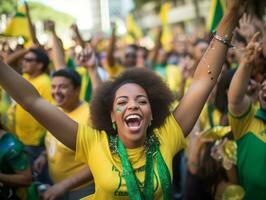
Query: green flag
x=217, y=9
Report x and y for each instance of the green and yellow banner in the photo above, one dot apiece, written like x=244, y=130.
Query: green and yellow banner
x=217, y=10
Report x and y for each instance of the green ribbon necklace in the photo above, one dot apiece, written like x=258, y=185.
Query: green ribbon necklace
x=152, y=150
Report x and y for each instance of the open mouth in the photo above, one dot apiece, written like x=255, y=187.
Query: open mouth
x=133, y=122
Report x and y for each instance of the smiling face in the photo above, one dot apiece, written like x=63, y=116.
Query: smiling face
x=262, y=95
x=64, y=93
x=132, y=114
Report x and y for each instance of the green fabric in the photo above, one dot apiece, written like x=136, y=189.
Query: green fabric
x=218, y=14
x=210, y=115
x=32, y=193
x=12, y=158
x=19, y=14
x=161, y=70
x=88, y=93
x=70, y=63
x=251, y=164
x=152, y=150
x=261, y=114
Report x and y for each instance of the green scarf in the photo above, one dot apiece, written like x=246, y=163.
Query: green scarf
x=152, y=150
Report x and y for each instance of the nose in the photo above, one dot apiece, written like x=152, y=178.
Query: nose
x=133, y=105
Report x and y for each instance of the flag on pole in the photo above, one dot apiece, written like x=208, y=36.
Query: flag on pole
x=18, y=25
x=167, y=36
x=216, y=13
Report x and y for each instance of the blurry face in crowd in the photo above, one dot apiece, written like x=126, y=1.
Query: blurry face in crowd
x=161, y=56
x=131, y=114
x=262, y=95
x=199, y=50
x=30, y=64
x=130, y=59
x=253, y=87
x=64, y=93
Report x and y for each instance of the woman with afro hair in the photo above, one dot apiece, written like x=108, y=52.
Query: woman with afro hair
x=134, y=136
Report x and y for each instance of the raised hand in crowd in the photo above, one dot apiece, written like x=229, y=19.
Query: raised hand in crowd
x=58, y=52
x=238, y=100
x=246, y=26
x=87, y=58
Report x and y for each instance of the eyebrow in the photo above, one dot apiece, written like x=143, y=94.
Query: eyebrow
x=138, y=96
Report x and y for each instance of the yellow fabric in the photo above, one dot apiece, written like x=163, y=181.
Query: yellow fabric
x=247, y=123
x=173, y=77
x=114, y=71
x=61, y=159
x=132, y=28
x=28, y=130
x=167, y=35
x=93, y=149
x=83, y=72
x=204, y=119
x=18, y=26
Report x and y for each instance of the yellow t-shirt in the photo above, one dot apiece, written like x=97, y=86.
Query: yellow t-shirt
x=206, y=116
x=61, y=159
x=250, y=134
x=28, y=130
x=93, y=148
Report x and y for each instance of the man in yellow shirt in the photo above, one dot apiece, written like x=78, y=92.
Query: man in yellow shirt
x=70, y=177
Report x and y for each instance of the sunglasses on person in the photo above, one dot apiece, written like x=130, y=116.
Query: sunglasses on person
x=29, y=59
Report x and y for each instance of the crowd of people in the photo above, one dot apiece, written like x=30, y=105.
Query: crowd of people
x=120, y=121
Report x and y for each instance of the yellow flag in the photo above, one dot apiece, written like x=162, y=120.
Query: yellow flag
x=167, y=35
x=18, y=26
x=134, y=32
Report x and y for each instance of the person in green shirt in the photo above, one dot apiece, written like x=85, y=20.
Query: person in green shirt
x=249, y=125
x=15, y=169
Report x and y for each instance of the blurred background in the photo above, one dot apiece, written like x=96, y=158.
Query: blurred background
x=137, y=16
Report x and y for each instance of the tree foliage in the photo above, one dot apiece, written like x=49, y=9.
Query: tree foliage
x=8, y=7
x=40, y=12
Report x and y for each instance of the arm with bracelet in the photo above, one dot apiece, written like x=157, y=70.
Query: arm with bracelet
x=209, y=68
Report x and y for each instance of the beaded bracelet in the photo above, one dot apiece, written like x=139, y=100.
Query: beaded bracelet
x=223, y=40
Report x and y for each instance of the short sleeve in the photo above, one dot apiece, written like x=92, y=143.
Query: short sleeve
x=87, y=138
x=239, y=124
x=171, y=135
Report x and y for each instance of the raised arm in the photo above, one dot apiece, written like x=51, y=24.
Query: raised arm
x=154, y=53
x=111, y=48
x=58, y=53
x=14, y=57
x=88, y=59
x=208, y=69
x=31, y=26
x=79, y=40
x=54, y=120
x=238, y=100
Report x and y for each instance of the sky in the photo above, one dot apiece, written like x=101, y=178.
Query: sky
x=79, y=9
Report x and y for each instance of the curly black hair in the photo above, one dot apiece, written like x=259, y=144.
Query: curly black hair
x=159, y=95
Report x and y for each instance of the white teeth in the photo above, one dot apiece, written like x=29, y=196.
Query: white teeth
x=133, y=117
